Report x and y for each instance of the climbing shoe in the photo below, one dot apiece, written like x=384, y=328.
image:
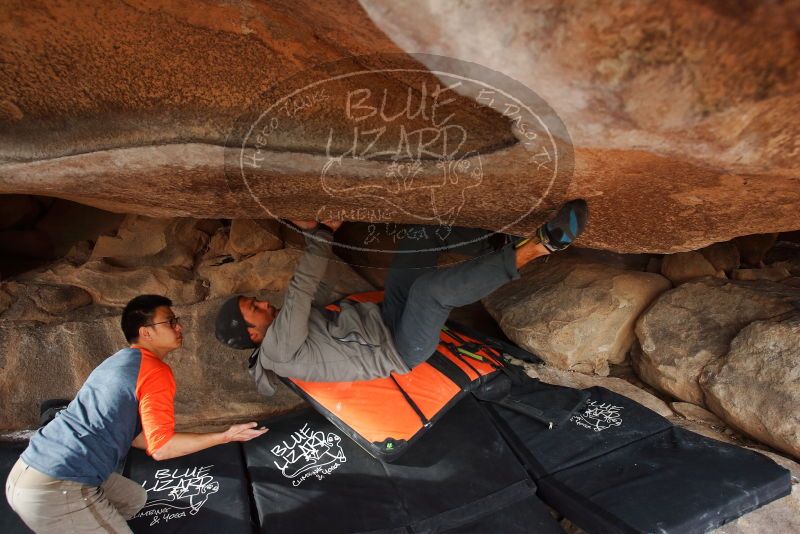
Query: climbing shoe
x=559, y=232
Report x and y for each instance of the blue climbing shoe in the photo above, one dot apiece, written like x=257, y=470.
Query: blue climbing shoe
x=559, y=232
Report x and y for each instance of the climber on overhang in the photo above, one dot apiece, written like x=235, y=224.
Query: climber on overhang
x=65, y=481
x=364, y=340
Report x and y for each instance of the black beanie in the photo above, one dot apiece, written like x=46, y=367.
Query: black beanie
x=231, y=328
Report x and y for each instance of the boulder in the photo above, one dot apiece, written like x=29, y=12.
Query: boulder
x=618, y=79
x=576, y=316
x=689, y=326
x=249, y=236
x=722, y=256
x=618, y=66
x=775, y=273
x=685, y=266
x=144, y=241
x=755, y=387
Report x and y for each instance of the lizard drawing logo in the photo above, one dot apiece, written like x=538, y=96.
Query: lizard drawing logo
x=181, y=489
x=309, y=453
x=599, y=416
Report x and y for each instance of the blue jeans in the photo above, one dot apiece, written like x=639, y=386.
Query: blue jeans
x=419, y=296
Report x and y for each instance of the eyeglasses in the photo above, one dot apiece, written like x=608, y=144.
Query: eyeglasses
x=173, y=322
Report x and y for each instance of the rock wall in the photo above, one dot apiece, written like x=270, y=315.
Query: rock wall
x=58, y=322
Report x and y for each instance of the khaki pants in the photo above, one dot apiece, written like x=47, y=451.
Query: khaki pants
x=49, y=505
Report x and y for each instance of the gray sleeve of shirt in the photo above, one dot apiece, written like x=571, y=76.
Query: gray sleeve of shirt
x=259, y=376
x=289, y=331
x=324, y=293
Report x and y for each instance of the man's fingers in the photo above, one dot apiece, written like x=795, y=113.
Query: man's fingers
x=247, y=431
x=235, y=431
x=250, y=434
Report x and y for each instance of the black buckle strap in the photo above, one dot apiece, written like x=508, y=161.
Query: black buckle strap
x=425, y=421
x=445, y=365
x=525, y=409
x=515, y=373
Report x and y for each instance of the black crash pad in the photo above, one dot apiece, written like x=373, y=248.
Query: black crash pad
x=205, y=492
x=527, y=516
x=602, y=423
x=10, y=522
x=675, y=481
x=461, y=477
x=618, y=467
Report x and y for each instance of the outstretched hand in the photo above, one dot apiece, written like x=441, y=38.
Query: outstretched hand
x=244, y=432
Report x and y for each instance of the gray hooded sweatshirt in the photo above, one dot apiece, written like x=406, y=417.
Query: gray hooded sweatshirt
x=307, y=342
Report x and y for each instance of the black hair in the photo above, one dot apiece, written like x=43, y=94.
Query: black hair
x=138, y=312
